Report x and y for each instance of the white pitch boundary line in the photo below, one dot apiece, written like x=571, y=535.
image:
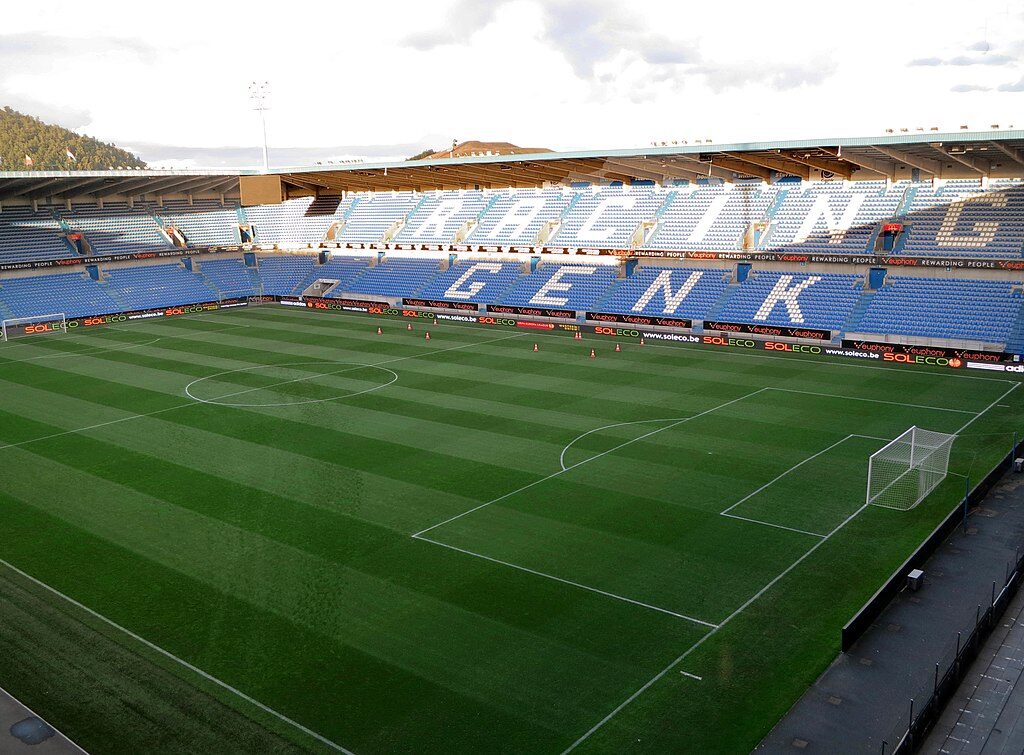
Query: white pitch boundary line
x=710, y=634
x=874, y=401
x=588, y=460
x=683, y=347
x=771, y=524
x=653, y=680
x=771, y=482
x=68, y=354
x=66, y=737
x=171, y=656
x=567, y=582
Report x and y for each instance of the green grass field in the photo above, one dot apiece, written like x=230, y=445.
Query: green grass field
x=275, y=530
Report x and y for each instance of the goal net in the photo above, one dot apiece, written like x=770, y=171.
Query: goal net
x=17, y=327
x=905, y=471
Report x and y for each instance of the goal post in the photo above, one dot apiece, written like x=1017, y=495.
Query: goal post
x=17, y=327
x=907, y=469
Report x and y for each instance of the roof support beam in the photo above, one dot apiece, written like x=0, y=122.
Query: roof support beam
x=1014, y=154
x=706, y=169
x=840, y=168
x=921, y=163
x=20, y=189
x=866, y=163
x=771, y=163
x=965, y=161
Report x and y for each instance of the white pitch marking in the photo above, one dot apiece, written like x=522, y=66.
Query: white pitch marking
x=874, y=400
x=692, y=676
x=73, y=743
x=714, y=352
x=779, y=477
x=561, y=457
x=771, y=524
x=167, y=654
x=567, y=582
x=588, y=460
x=193, y=403
x=93, y=352
x=216, y=400
x=653, y=680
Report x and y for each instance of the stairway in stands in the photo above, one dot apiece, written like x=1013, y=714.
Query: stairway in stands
x=722, y=301
x=115, y=294
x=856, y=314
x=5, y=313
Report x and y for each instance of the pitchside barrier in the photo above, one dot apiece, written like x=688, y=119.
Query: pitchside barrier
x=871, y=610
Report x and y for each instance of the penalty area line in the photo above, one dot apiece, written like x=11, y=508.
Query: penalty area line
x=568, y=582
x=171, y=656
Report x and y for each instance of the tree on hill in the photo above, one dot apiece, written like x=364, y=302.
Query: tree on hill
x=26, y=143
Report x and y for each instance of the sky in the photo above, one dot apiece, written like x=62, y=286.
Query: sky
x=383, y=80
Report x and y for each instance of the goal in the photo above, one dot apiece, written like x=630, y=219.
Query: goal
x=16, y=327
x=907, y=469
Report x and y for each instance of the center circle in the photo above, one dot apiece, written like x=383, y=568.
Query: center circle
x=351, y=373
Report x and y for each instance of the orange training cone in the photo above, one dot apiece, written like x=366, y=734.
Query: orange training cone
x=592, y=354
x=618, y=348
x=578, y=336
x=409, y=326
x=535, y=349
x=641, y=341
x=380, y=332
x=428, y=336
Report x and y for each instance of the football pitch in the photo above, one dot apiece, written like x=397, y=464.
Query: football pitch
x=269, y=529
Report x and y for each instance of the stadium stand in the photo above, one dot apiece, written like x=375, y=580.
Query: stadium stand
x=832, y=216
x=341, y=269
x=944, y=308
x=27, y=235
x=302, y=221
x=710, y=215
x=116, y=228
x=154, y=286
x=608, y=217
x=481, y=282
x=71, y=293
x=516, y=217
x=774, y=298
x=395, y=276
x=958, y=219
x=440, y=215
x=371, y=216
x=280, y=274
x=562, y=286
x=203, y=223
x=675, y=292
x=230, y=277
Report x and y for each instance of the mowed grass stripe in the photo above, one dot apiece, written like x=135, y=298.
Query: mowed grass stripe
x=313, y=508
x=152, y=528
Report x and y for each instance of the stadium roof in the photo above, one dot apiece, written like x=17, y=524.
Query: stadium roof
x=101, y=184
x=964, y=154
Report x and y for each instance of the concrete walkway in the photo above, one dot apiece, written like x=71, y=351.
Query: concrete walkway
x=863, y=698
x=22, y=731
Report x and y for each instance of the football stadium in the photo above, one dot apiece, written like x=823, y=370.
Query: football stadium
x=680, y=448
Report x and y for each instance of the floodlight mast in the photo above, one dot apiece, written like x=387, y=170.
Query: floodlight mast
x=259, y=94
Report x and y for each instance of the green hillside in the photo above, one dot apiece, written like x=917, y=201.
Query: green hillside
x=48, y=146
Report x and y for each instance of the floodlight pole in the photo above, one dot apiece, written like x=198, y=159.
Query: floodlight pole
x=259, y=92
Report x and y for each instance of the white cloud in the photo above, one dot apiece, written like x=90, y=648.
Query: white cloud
x=564, y=74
